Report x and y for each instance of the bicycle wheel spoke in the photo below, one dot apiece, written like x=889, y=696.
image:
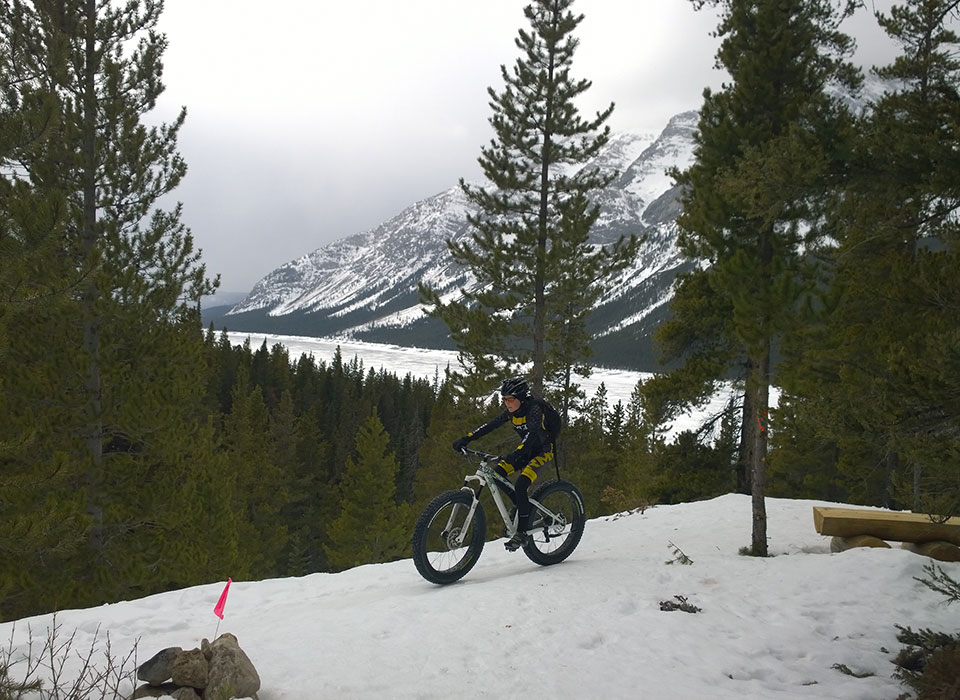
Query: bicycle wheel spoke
x=445, y=545
x=561, y=526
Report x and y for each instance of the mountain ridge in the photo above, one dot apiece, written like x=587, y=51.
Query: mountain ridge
x=364, y=286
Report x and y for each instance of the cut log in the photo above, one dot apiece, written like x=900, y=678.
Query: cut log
x=941, y=551
x=842, y=544
x=885, y=525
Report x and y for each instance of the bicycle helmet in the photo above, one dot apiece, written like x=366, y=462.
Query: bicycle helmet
x=516, y=387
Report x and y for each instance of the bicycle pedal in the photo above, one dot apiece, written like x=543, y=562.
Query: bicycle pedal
x=516, y=542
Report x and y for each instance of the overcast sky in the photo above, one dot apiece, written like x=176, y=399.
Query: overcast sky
x=312, y=120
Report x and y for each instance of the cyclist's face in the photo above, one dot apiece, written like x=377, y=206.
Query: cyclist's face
x=511, y=403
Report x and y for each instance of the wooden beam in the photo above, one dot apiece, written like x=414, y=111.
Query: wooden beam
x=887, y=525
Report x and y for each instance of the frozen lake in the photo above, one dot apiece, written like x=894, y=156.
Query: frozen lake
x=417, y=361
x=426, y=363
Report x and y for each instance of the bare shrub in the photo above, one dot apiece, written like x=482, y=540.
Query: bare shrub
x=58, y=671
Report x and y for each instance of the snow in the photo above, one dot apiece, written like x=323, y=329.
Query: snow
x=590, y=627
x=419, y=362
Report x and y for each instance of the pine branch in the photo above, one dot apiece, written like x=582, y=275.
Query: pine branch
x=940, y=582
x=679, y=557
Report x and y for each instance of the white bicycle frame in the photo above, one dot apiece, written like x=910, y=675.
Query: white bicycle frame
x=486, y=476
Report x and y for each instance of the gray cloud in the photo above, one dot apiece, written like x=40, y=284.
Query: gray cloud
x=311, y=120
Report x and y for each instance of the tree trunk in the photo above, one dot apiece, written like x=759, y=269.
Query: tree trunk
x=91, y=292
x=917, y=489
x=748, y=437
x=761, y=388
x=561, y=447
x=91, y=325
x=891, y=464
x=540, y=274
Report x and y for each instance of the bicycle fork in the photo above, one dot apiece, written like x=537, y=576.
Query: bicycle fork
x=458, y=539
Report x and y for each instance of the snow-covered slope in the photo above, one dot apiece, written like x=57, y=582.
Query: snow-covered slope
x=783, y=627
x=365, y=286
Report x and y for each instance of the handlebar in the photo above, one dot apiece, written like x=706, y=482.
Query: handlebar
x=489, y=472
x=484, y=456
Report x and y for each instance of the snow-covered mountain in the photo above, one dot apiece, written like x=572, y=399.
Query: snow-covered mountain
x=365, y=286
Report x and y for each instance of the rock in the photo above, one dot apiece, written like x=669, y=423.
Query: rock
x=217, y=671
x=185, y=694
x=941, y=551
x=158, y=669
x=190, y=669
x=231, y=673
x=154, y=691
x=842, y=544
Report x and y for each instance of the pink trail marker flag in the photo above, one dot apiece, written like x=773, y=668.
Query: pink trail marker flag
x=218, y=608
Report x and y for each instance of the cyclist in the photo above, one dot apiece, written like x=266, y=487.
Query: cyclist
x=538, y=424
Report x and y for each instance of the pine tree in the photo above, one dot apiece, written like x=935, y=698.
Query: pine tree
x=260, y=492
x=113, y=168
x=41, y=515
x=536, y=276
x=103, y=344
x=312, y=494
x=876, y=381
x=31, y=219
x=372, y=527
x=588, y=457
x=439, y=467
x=907, y=239
x=701, y=337
x=765, y=150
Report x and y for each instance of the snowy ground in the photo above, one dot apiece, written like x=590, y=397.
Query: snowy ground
x=590, y=627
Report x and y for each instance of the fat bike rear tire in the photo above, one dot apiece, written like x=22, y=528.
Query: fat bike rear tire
x=437, y=554
x=553, y=539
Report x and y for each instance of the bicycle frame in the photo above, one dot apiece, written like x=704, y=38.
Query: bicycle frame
x=452, y=529
x=486, y=476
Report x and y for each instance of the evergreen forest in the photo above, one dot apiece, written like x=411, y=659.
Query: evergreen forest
x=141, y=452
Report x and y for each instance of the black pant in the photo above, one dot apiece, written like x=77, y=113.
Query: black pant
x=520, y=498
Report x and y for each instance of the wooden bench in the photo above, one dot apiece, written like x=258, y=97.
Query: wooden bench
x=858, y=527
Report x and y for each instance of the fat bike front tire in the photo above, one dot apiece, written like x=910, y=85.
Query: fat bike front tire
x=442, y=551
x=554, y=537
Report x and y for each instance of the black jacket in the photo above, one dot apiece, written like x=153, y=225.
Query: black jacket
x=532, y=421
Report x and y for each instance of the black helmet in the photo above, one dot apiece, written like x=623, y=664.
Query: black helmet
x=516, y=387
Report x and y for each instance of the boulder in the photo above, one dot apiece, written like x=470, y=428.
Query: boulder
x=185, y=694
x=842, y=544
x=154, y=691
x=159, y=668
x=941, y=551
x=216, y=671
x=190, y=669
x=231, y=672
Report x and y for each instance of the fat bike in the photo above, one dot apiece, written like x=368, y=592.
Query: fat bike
x=452, y=529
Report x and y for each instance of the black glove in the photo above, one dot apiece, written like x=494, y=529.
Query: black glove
x=460, y=443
